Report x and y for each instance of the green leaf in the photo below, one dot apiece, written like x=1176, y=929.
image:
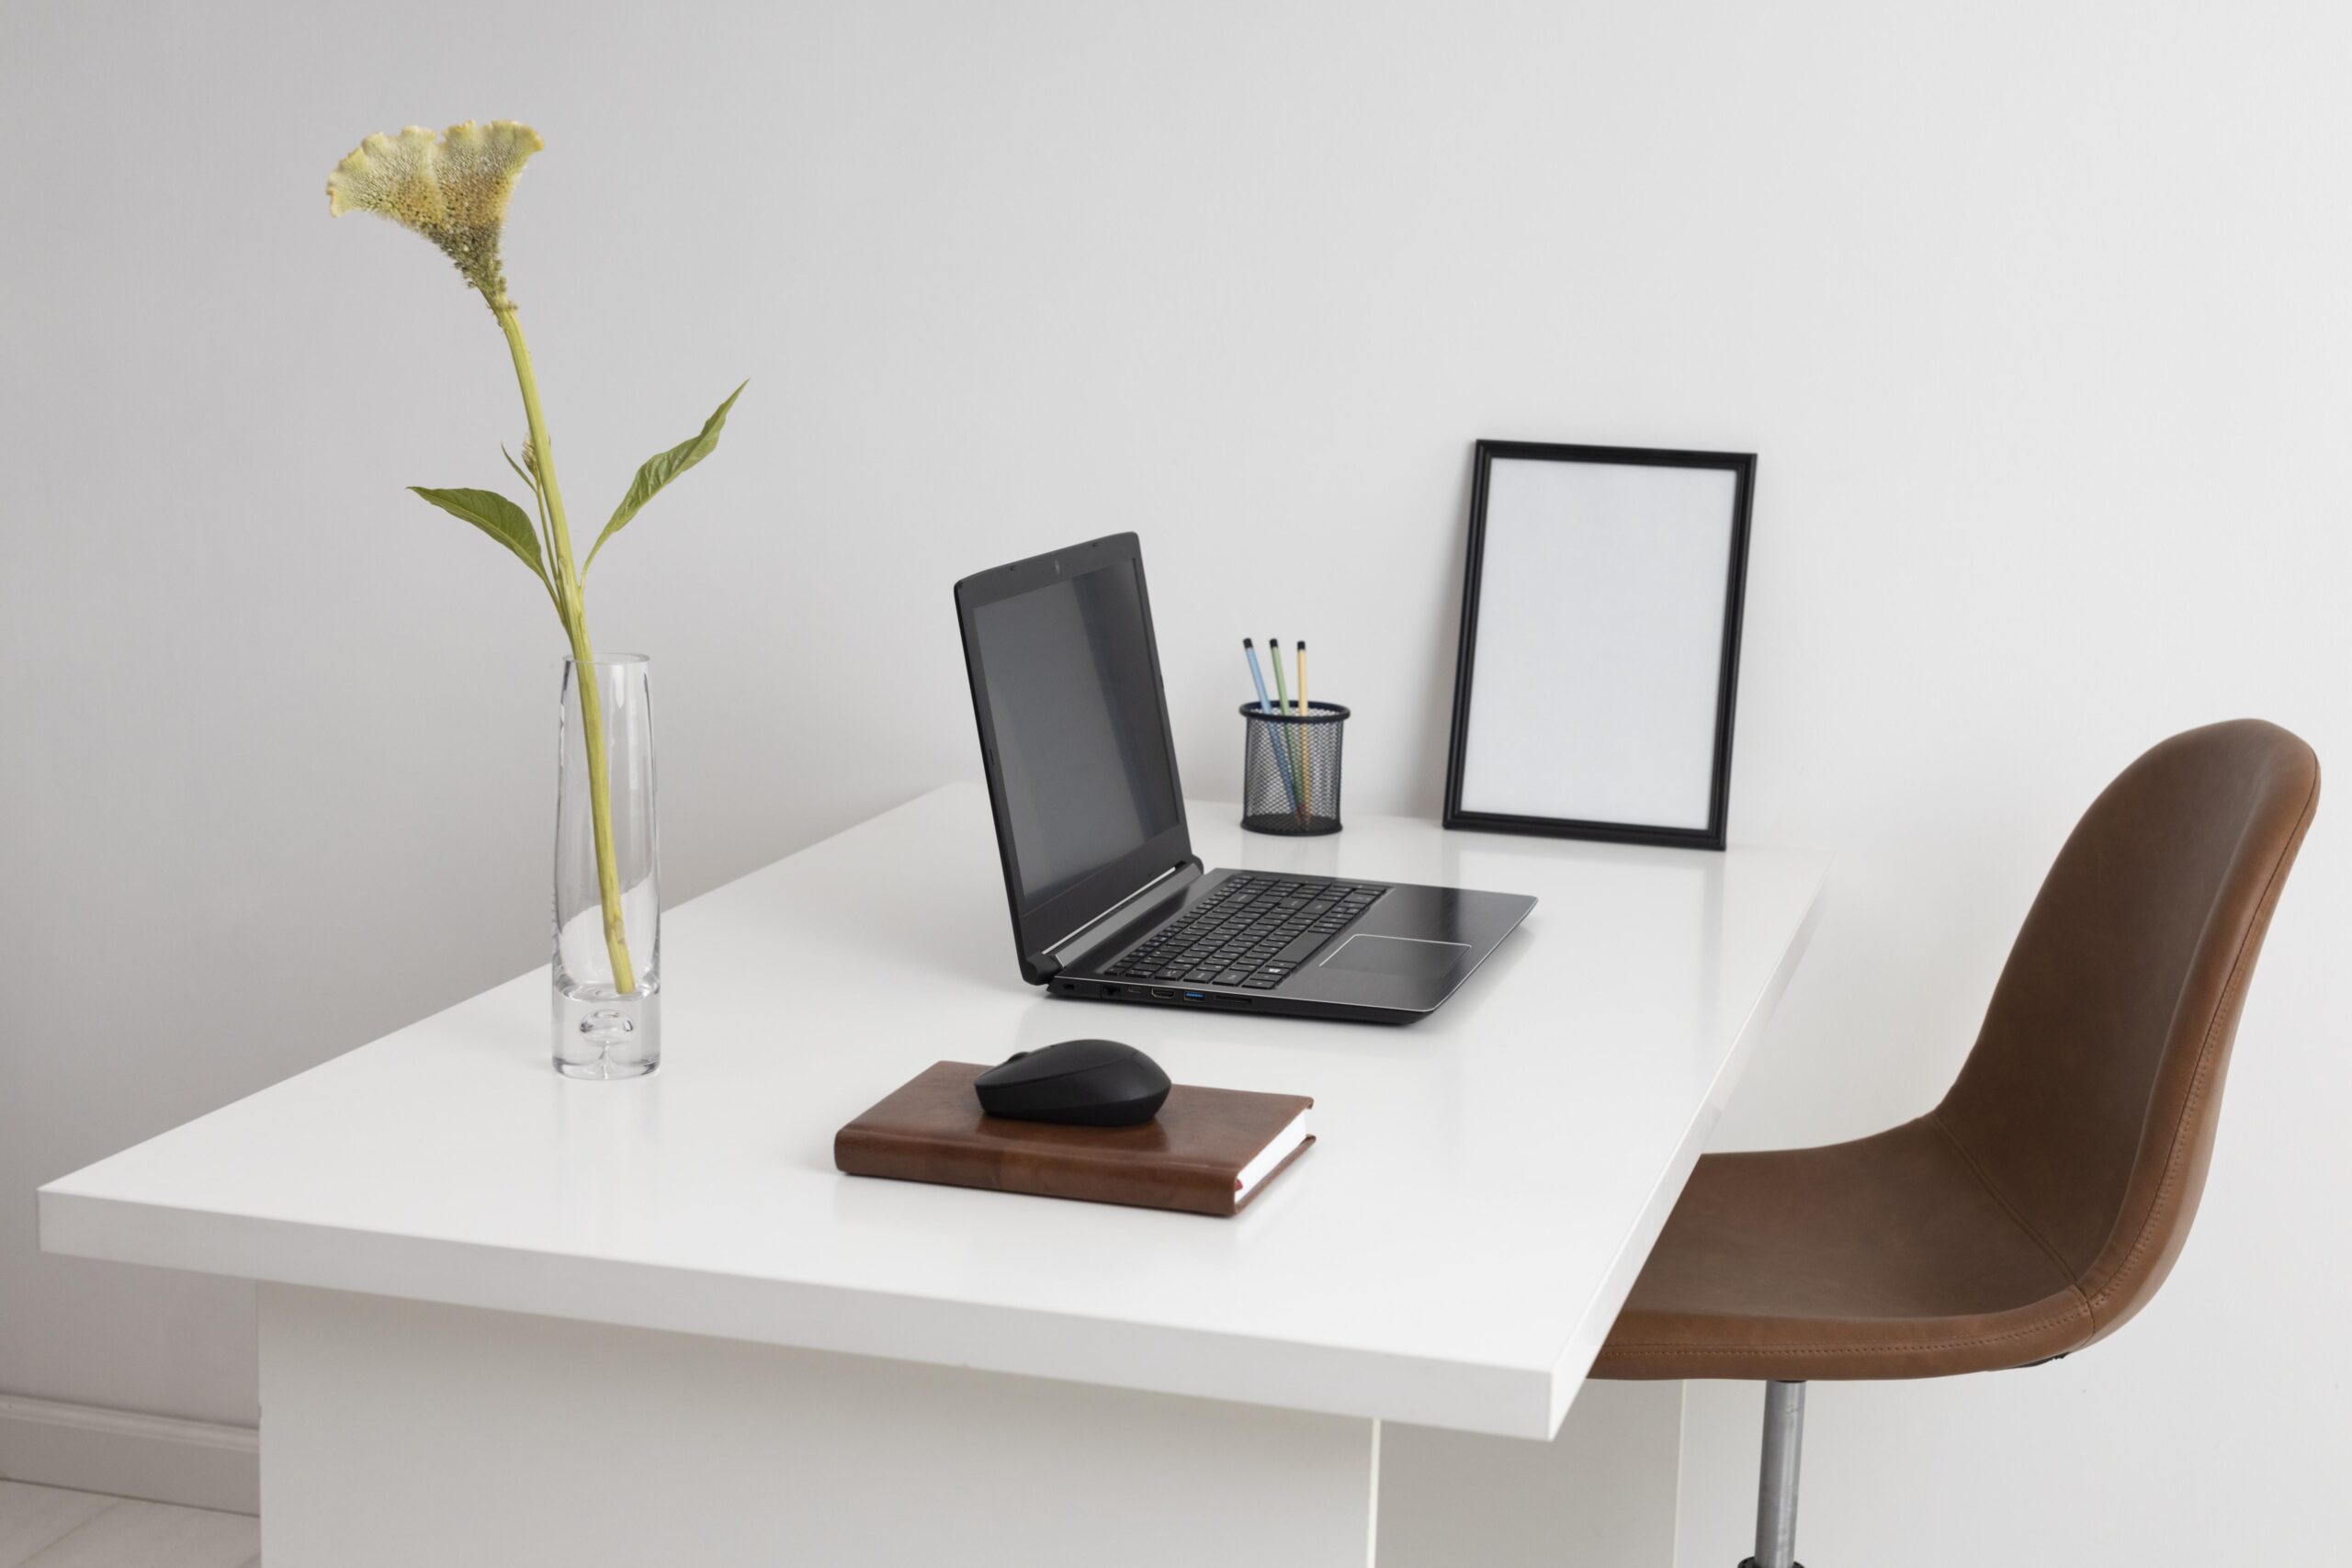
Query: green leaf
x=496, y=516
x=660, y=470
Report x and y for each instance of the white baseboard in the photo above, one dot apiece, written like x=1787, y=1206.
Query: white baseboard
x=160, y=1458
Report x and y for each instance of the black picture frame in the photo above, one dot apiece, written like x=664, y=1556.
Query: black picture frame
x=1712, y=834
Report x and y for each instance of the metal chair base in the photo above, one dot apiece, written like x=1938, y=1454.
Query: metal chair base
x=1776, y=1492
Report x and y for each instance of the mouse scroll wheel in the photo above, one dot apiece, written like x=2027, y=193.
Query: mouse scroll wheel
x=1016, y=1056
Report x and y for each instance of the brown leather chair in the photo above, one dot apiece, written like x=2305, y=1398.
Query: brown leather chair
x=2039, y=1206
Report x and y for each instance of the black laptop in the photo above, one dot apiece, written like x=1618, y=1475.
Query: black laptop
x=1107, y=899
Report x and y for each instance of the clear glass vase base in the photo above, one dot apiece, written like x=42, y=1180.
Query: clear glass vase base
x=600, y=1034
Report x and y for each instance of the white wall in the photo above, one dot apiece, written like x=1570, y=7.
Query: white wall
x=2035, y=312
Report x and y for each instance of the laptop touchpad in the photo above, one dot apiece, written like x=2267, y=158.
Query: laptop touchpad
x=1403, y=955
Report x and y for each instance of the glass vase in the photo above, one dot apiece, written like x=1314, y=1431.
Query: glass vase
x=606, y=974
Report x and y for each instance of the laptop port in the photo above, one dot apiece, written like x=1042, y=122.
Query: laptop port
x=1163, y=996
x=1192, y=996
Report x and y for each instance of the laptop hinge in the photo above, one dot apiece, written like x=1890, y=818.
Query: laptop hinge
x=1175, y=879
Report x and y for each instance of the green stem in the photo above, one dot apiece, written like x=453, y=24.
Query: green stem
x=574, y=614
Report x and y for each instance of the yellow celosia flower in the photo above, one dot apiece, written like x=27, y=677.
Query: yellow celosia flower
x=452, y=190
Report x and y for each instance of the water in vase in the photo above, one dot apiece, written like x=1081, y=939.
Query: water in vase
x=603, y=1027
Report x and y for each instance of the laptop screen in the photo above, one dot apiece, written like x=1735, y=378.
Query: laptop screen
x=1080, y=727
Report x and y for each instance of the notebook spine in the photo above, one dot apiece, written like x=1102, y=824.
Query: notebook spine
x=1042, y=1172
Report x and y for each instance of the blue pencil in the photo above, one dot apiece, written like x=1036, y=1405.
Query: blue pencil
x=1282, y=754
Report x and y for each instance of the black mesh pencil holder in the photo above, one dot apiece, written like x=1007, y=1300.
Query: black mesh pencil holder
x=1290, y=768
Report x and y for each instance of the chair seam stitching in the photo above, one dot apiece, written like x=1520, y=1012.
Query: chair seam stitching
x=1663, y=1348
x=2199, y=1080
x=1935, y=1119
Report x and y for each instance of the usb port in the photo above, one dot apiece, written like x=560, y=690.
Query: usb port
x=1192, y=996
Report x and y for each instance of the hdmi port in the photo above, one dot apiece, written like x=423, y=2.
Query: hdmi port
x=1163, y=996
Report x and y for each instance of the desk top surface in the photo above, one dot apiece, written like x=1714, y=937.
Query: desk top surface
x=1452, y=1252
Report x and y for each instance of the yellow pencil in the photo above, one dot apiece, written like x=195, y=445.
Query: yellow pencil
x=1305, y=741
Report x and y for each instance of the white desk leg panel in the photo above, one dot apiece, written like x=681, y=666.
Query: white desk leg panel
x=1601, y=1495
x=398, y=1433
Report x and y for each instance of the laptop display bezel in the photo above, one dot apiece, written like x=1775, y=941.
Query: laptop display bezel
x=1037, y=929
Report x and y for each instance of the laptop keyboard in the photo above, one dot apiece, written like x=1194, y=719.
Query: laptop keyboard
x=1252, y=932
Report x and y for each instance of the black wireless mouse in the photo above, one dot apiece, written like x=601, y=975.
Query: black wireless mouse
x=1092, y=1083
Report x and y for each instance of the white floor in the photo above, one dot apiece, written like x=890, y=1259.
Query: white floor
x=42, y=1527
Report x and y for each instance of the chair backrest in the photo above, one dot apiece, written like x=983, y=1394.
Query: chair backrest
x=2089, y=1102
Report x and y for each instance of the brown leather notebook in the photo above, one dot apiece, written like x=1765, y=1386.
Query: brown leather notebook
x=1209, y=1151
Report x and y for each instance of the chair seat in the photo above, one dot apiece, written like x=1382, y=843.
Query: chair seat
x=1884, y=1258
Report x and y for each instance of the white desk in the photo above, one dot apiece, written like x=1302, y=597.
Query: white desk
x=1449, y=1254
